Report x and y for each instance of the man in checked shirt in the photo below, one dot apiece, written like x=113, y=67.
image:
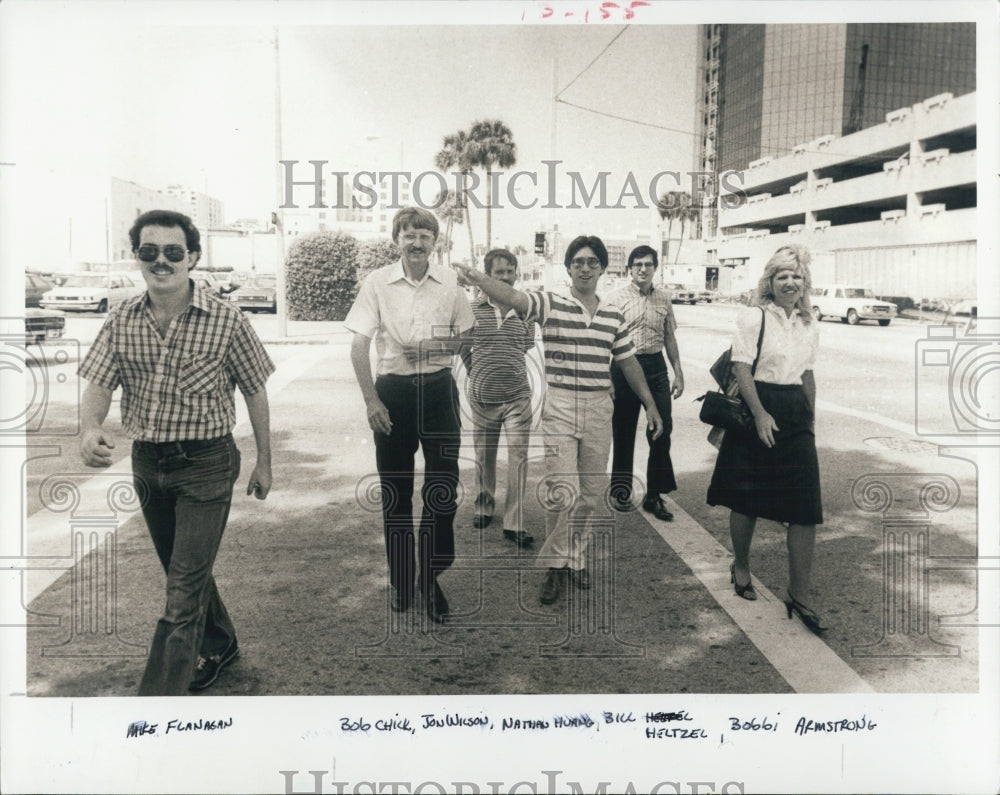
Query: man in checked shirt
x=178, y=352
x=650, y=318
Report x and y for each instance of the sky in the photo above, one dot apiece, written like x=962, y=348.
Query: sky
x=145, y=99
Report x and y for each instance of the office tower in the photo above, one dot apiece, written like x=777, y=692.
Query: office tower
x=768, y=88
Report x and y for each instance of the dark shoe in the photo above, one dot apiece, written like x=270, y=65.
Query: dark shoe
x=580, y=578
x=437, y=605
x=809, y=618
x=401, y=600
x=481, y=520
x=207, y=669
x=746, y=591
x=658, y=508
x=519, y=537
x=552, y=586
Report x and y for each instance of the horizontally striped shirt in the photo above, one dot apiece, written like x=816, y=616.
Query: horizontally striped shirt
x=181, y=386
x=579, y=347
x=498, y=373
x=645, y=315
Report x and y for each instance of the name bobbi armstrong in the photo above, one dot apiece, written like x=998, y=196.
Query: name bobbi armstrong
x=521, y=190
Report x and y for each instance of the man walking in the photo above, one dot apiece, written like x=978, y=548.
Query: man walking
x=178, y=353
x=416, y=313
x=649, y=316
x=500, y=397
x=581, y=334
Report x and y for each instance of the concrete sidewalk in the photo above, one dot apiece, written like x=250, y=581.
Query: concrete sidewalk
x=303, y=575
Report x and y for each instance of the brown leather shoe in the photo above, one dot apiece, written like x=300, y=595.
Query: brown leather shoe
x=552, y=586
x=519, y=537
x=657, y=507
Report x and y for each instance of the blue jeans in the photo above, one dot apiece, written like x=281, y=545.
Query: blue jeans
x=186, y=490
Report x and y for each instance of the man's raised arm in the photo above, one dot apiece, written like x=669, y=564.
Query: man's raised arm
x=495, y=289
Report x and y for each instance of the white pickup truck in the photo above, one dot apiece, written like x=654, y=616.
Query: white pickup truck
x=851, y=304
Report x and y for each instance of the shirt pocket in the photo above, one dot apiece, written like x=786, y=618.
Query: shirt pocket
x=199, y=376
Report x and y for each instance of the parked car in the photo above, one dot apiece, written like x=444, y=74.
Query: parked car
x=223, y=282
x=707, y=296
x=35, y=286
x=258, y=294
x=850, y=304
x=204, y=280
x=43, y=324
x=679, y=294
x=94, y=292
x=964, y=313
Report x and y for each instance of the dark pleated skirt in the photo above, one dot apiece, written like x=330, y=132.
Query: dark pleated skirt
x=780, y=483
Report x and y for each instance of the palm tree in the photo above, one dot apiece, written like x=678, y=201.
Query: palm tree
x=686, y=214
x=673, y=206
x=491, y=144
x=450, y=209
x=455, y=153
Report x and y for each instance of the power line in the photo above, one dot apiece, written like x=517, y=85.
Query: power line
x=624, y=118
x=607, y=46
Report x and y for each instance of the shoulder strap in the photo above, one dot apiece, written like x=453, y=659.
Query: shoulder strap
x=760, y=339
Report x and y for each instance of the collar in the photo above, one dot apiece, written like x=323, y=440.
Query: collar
x=637, y=291
x=567, y=293
x=778, y=312
x=397, y=273
x=200, y=300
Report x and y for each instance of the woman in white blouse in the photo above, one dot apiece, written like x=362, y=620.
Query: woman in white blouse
x=773, y=471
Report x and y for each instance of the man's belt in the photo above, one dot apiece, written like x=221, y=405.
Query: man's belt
x=182, y=447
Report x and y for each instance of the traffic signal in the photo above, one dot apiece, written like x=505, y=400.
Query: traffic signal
x=539, y=242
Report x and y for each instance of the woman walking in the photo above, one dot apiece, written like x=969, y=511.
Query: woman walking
x=772, y=472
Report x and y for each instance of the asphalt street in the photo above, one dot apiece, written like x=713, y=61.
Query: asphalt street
x=303, y=573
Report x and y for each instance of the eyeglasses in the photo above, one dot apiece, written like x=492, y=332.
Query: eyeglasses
x=147, y=252
x=643, y=265
x=424, y=237
x=585, y=262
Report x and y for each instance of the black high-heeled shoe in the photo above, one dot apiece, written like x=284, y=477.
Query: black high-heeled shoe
x=809, y=617
x=746, y=591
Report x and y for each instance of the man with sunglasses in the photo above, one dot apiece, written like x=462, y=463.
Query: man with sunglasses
x=417, y=314
x=178, y=352
x=582, y=334
x=650, y=318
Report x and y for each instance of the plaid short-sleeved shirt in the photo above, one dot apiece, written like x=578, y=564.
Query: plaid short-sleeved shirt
x=646, y=315
x=180, y=387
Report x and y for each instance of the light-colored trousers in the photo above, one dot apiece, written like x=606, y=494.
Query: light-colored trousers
x=577, y=431
x=515, y=418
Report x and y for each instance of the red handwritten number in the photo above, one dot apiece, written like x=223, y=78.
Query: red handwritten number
x=604, y=12
x=547, y=12
x=629, y=13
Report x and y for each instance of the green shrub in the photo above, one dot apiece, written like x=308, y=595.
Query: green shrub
x=375, y=254
x=321, y=276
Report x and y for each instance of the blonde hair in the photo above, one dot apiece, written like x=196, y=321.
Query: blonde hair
x=787, y=258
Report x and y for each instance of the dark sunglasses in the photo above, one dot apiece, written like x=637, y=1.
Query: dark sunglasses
x=148, y=252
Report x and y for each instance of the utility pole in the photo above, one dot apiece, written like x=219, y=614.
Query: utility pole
x=281, y=298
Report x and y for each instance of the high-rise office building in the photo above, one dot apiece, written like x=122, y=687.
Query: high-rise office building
x=768, y=88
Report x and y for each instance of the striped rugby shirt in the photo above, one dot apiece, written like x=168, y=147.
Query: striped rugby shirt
x=498, y=373
x=180, y=387
x=579, y=348
x=645, y=315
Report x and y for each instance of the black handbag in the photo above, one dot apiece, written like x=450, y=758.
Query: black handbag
x=725, y=408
